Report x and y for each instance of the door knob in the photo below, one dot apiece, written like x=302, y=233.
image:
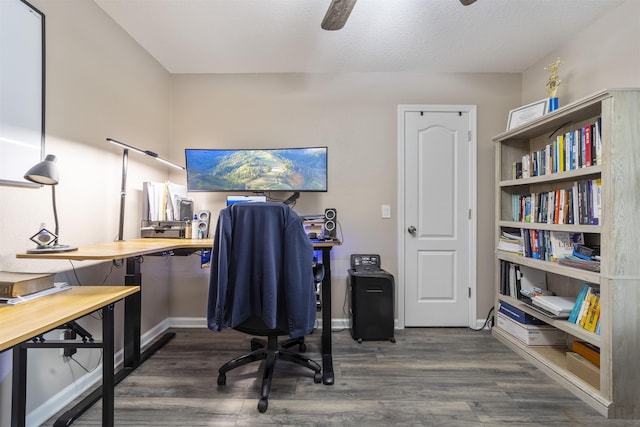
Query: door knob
x=412, y=230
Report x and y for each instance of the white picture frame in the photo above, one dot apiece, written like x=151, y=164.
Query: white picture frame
x=521, y=115
x=22, y=90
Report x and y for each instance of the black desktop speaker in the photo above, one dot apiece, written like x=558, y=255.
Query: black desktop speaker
x=371, y=300
x=330, y=223
x=204, y=220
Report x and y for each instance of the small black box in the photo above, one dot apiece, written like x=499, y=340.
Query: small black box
x=371, y=300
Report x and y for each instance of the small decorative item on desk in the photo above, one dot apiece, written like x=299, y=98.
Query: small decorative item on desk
x=187, y=229
x=553, y=83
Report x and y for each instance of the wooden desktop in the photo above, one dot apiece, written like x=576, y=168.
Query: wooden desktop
x=22, y=323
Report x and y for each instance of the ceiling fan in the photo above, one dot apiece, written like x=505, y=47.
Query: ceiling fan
x=339, y=11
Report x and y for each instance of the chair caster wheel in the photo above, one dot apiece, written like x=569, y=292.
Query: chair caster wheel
x=393, y=340
x=317, y=378
x=359, y=340
x=263, y=404
x=222, y=379
x=302, y=347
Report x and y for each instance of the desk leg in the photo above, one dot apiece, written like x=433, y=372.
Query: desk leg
x=133, y=323
x=19, y=387
x=108, y=380
x=327, y=358
x=132, y=315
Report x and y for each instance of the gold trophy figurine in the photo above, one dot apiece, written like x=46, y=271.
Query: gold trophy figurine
x=553, y=83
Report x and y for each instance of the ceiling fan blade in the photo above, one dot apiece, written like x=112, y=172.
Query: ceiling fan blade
x=337, y=14
x=467, y=2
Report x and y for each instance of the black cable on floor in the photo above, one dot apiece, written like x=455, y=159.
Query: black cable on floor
x=486, y=322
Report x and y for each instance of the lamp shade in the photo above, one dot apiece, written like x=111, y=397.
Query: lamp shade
x=45, y=172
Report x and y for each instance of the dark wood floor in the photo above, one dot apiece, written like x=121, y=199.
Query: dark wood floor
x=429, y=377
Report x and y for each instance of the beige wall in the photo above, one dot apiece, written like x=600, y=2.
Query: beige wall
x=355, y=115
x=606, y=54
x=99, y=83
x=102, y=84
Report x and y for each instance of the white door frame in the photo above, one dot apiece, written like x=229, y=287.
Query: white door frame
x=473, y=203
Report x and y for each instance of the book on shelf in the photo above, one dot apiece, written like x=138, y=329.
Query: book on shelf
x=579, y=204
x=531, y=335
x=588, y=351
x=578, y=304
x=593, y=314
x=586, y=310
x=558, y=305
x=583, y=264
x=563, y=242
x=519, y=280
x=598, y=141
x=518, y=315
x=510, y=242
x=572, y=150
x=19, y=284
x=512, y=246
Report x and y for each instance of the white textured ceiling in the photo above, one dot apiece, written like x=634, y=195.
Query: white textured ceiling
x=274, y=36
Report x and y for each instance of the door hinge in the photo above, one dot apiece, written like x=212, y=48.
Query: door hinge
x=470, y=136
x=469, y=292
x=469, y=213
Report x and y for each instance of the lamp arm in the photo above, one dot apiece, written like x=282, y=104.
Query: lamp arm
x=55, y=214
x=123, y=193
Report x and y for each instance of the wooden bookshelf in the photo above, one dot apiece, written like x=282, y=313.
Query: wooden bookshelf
x=617, y=233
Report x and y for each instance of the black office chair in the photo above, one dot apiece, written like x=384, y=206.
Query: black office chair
x=262, y=284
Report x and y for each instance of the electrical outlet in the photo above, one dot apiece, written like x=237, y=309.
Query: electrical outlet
x=66, y=336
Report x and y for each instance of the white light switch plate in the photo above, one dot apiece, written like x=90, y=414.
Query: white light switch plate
x=386, y=211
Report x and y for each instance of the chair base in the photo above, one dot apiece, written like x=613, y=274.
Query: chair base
x=269, y=354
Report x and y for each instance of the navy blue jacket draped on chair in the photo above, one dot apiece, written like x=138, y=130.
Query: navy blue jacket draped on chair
x=261, y=265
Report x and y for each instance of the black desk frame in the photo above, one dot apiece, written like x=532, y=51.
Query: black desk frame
x=327, y=358
x=133, y=357
x=19, y=379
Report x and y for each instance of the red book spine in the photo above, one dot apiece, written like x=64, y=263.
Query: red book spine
x=587, y=145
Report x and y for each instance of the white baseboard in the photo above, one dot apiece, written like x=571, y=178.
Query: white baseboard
x=201, y=322
x=64, y=397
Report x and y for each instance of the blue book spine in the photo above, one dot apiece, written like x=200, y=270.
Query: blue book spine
x=576, y=308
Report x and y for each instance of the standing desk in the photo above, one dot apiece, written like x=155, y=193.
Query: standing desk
x=132, y=252
x=28, y=320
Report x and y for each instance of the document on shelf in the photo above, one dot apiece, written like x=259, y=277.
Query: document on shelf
x=557, y=305
x=161, y=201
x=58, y=287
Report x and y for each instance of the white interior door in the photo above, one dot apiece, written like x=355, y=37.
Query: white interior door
x=437, y=228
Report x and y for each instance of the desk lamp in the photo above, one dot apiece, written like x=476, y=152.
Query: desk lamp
x=123, y=188
x=46, y=173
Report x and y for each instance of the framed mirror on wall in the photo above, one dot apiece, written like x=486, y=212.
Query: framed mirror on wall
x=22, y=90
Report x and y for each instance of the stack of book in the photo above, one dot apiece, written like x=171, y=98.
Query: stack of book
x=586, y=310
x=527, y=329
x=510, y=242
